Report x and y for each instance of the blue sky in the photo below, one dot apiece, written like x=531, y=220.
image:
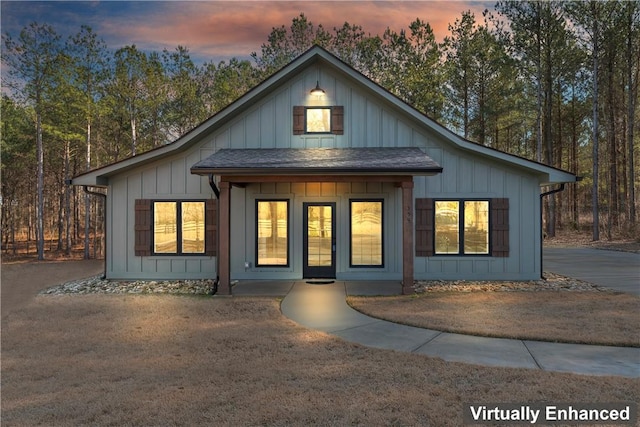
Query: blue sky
x=218, y=30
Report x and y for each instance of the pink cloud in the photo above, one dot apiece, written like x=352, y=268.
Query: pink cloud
x=227, y=29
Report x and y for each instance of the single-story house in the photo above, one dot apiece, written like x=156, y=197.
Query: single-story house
x=318, y=172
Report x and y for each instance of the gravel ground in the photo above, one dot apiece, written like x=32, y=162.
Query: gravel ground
x=552, y=282
x=96, y=285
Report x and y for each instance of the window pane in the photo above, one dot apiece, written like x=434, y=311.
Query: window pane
x=165, y=228
x=272, y=233
x=318, y=120
x=193, y=227
x=366, y=233
x=476, y=227
x=447, y=227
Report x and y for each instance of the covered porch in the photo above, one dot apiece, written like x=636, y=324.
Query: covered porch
x=240, y=168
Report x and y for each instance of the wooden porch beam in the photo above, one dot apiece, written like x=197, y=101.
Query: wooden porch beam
x=407, y=237
x=224, y=248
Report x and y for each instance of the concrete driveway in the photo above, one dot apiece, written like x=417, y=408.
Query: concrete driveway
x=613, y=269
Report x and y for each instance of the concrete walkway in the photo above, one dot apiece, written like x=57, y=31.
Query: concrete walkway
x=323, y=307
x=616, y=270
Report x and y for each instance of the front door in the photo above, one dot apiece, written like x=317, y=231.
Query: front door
x=319, y=241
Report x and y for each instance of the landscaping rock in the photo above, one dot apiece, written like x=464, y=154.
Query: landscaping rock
x=96, y=285
x=552, y=282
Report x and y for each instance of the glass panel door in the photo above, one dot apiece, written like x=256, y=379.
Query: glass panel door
x=319, y=240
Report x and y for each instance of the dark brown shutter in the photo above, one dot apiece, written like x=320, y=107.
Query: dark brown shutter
x=337, y=120
x=298, y=120
x=143, y=221
x=424, y=227
x=211, y=225
x=500, y=227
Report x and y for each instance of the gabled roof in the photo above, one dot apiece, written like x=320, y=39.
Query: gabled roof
x=99, y=176
x=311, y=161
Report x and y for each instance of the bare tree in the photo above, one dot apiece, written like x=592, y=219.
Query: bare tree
x=89, y=56
x=588, y=17
x=633, y=73
x=32, y=62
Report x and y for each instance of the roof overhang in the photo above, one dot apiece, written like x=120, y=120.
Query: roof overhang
x=318, y=162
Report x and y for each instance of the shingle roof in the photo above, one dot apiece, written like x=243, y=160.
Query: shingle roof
x=389, y=160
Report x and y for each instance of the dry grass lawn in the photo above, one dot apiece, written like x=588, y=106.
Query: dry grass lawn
x=575, y=317
x=153, y=360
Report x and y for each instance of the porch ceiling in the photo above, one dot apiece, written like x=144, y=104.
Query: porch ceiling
x=395, y=161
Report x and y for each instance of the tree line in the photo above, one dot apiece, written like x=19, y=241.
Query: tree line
x=555, y=82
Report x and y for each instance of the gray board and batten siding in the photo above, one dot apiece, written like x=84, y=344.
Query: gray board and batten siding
x=372, y=118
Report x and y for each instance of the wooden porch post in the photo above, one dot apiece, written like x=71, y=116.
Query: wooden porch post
x=224, y=286
x=407, y=236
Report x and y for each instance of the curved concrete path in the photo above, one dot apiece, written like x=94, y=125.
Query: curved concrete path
x=324, y=308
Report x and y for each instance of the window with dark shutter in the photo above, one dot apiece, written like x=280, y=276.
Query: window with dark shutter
x=500, y=227
x=424, y=227
x=459, y=227
x=143, y=221
x=178, y=235
x=211, y=224
x=309, y=120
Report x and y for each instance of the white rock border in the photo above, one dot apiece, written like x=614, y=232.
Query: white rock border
x=96, y=285
x=552, y=282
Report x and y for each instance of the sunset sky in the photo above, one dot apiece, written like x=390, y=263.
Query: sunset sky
x=218, y=30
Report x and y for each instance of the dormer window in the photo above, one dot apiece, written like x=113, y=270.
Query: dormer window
x=314, y=120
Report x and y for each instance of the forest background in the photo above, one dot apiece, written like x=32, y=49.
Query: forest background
x=555, y=82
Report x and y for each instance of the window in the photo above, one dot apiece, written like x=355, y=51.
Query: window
x=170, y=227
x=476, y=227
x=192, y=226
x=178, y=227
x=481, y=227
x=272, y=233
x=310, y=120
x=366, y=233
x=318, y=120
x=461, y=227
x=165, y=227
